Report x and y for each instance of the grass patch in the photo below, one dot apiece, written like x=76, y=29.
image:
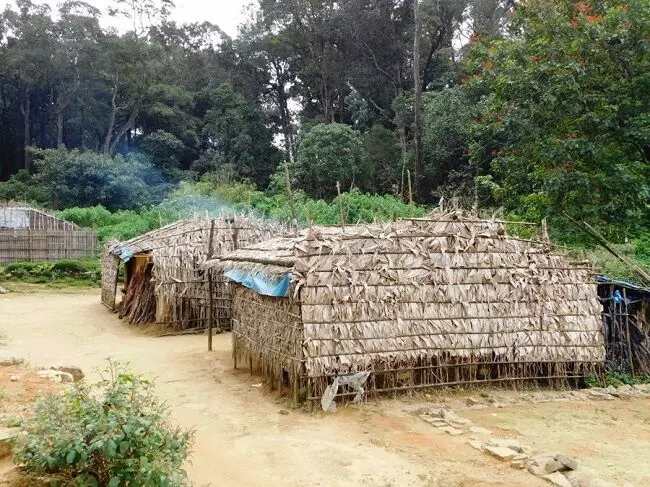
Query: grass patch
x=61, y=273
x=618, y=378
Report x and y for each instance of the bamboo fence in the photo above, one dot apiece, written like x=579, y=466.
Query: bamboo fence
x=446, y=300
x=28, y=234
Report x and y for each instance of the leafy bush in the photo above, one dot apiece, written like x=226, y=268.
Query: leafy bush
x=66, y=178
x=111, y=433
x=329, y=153
x=81, y=271
x=120, y=225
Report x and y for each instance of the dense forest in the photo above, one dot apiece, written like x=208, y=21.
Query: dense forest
x=538, y=108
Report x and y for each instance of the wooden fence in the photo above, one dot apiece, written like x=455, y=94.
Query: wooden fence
x=20, y=245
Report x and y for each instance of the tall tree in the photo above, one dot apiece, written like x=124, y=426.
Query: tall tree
x=417, y=103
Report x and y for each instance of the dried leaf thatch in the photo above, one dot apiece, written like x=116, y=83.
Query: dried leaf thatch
x=443, y=300
x=178, y=251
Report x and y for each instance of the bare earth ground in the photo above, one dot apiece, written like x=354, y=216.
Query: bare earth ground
x=242, y=439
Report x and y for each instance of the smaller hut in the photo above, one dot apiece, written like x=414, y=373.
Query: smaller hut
x=164, y=282
x=445, y=300
x=29, y=234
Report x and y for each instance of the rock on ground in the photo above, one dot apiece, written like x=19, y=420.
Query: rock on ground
x=558, y=480
x=567, y=461
x=76, y=373
x=56, y=375
x=501, y=453
x=7, y=436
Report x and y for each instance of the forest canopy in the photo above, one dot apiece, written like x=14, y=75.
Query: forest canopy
x=539, y=108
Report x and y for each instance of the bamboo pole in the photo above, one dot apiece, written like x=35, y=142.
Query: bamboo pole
x=210, y=293
x=627, y=331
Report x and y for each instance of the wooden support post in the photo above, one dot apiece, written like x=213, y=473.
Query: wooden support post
x=627, y=332
x=210, y=290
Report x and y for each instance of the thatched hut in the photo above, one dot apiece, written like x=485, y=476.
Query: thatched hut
x=163, y=279
x=446, y=300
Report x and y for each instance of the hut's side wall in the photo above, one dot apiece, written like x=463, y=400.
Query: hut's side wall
x=110, y=269
x=181, y=288
x=267, y=333
x=439, y=303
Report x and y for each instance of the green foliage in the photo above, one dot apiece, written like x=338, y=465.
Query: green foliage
x=357, y=206
x=119, y=225
x=236, y=138
x=70, y=272
x=21, y=187
x=68, y=178
x=564, y=111
x=114, y=432
x=329, y=153
x=446, y=130
x=618, y=377
x=385, y=159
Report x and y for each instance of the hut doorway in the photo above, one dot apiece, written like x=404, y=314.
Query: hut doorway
x=139, y=301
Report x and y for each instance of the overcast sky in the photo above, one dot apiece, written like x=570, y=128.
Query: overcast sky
x=227, y=14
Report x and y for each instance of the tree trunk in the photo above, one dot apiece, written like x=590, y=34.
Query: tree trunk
x=287, y=130
x=111, y=124
x=124, y=129
x=419, y=167
x=59, y=128
x=25, y=108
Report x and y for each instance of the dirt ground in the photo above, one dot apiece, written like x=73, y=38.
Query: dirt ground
x=243, y=439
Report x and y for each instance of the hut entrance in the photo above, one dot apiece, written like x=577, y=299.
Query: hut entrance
x=626, y=321
x=139, y=303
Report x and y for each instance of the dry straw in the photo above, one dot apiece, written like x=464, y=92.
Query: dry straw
x=176, y=287
x=445, y=300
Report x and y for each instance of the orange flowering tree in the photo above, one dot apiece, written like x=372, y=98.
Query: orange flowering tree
x=565, y=112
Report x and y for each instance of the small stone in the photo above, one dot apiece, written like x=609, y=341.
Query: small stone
x=3, y=290
x=484, y=394
x=500, y=452
x=625, y=387
x=558, y=480
x=284, y=412
x=437, y=413
x=520, y=461
x=609, y=389
x=579, y=478
x=476, y=444
x=470, y=401
x=55, y=375
x=507, y=443
x=452, y=431
x=76, y=373
x=567, y=461
x=538, y=470
x=553, y=466
x=14, y=378
x=479, y=431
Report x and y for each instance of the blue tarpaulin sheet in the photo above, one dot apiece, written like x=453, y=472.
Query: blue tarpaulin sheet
x=261, y=283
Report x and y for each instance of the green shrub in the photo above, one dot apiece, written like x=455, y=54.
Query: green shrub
x=82, y=271
x=111, y=433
